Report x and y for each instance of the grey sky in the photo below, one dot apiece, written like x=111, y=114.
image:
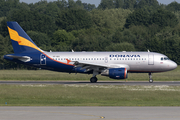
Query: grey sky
x=96, y=2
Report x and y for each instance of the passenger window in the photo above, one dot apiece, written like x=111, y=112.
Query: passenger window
x=161, y=58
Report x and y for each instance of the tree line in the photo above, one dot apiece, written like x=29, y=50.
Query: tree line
x=114, y=25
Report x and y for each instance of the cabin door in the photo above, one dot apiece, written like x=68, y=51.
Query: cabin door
x=151, y=59
x=42, y=59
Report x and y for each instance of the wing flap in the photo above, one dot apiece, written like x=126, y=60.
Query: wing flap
x=83, y=64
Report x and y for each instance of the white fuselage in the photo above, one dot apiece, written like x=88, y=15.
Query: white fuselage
x=133, y=61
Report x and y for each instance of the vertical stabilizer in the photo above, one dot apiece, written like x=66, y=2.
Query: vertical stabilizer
x=21, y=42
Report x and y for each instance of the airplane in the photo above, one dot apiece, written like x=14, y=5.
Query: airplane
x=115, y=65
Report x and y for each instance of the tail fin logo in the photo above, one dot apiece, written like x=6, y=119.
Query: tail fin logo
x=21, y=41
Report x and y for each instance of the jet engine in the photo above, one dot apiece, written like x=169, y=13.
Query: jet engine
x=115, y=73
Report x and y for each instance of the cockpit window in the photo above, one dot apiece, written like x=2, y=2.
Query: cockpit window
x=165, y=58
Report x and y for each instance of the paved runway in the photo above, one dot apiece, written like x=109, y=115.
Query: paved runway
x=89, y=113
x=98, y=83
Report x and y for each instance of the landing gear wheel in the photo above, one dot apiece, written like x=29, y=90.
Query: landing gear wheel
x=93, y=80
x=151, y=81
x=150, y=78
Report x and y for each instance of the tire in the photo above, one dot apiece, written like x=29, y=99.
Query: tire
x=151, y=81
x=93, y=80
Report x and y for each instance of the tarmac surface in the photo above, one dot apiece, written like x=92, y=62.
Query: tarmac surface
x=98, y=83
x=89, y=113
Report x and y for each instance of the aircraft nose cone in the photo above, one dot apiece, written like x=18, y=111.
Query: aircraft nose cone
x=173, y=65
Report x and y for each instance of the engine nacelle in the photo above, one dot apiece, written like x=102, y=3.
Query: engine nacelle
x=116, y=73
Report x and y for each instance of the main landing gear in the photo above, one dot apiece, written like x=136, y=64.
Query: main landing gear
x=94, y=78
x=150, y=78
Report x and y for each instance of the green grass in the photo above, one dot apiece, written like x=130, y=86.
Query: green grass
x=88, y=95
x=50, y=75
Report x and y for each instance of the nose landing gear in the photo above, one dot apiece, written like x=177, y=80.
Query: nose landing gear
x=150, y=78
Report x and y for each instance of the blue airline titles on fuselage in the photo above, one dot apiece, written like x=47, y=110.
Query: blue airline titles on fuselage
x=124, y=56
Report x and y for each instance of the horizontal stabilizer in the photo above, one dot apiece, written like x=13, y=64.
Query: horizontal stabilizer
x=22, y=58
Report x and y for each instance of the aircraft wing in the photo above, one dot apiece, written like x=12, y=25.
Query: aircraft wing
x=97, y=67
x=90, y=66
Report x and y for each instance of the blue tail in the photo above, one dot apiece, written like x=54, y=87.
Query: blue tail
x=21, y=42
